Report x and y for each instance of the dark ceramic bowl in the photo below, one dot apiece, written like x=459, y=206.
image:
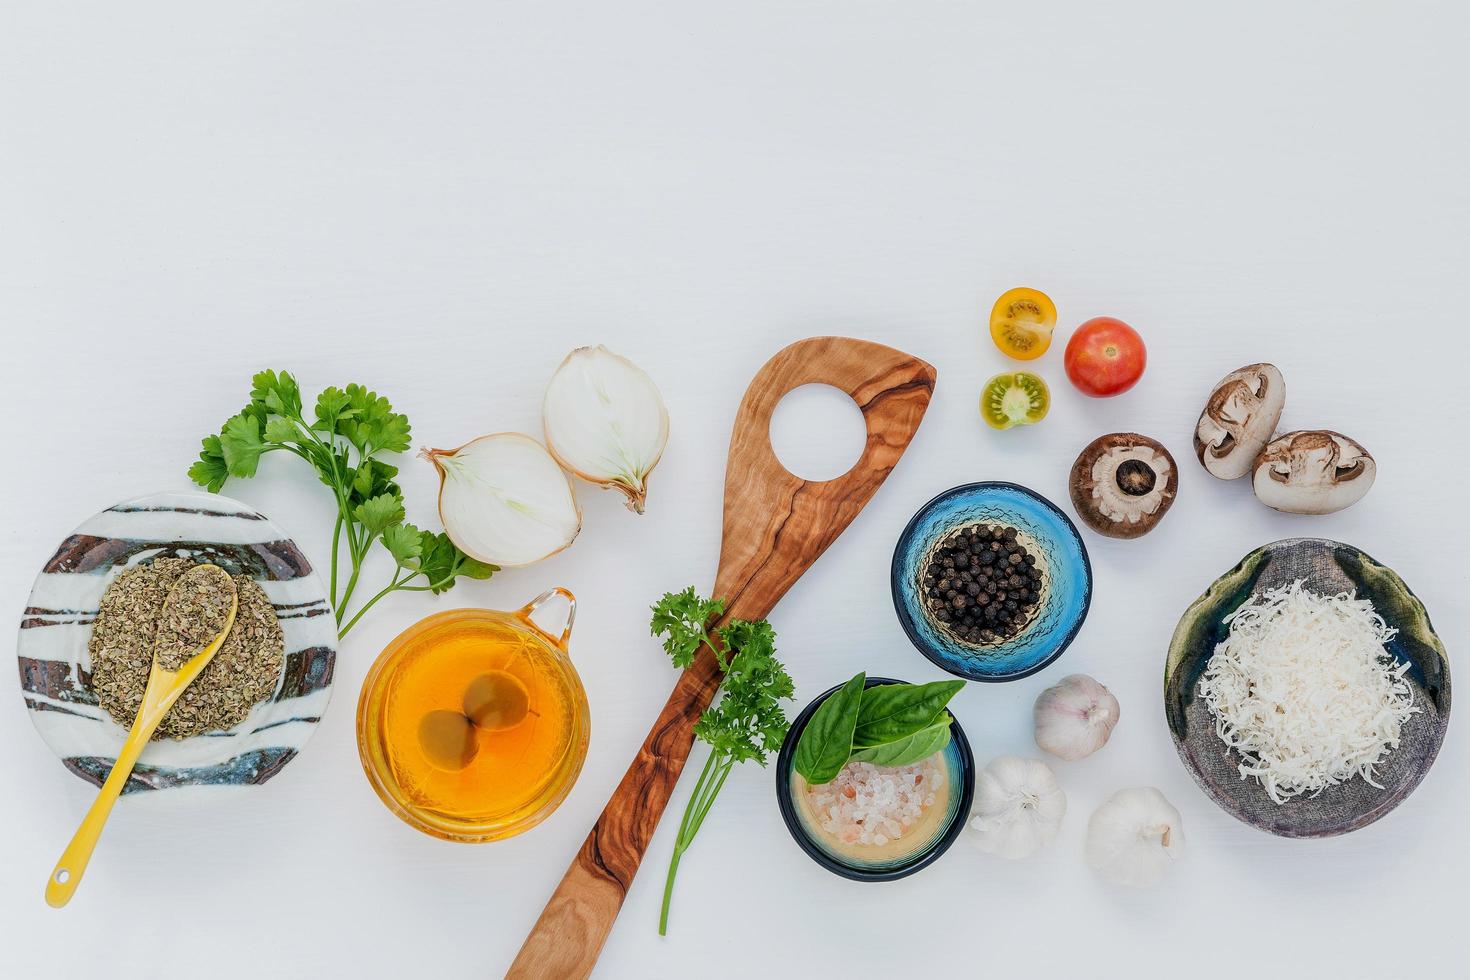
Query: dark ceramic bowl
x=1066, y=591
x=960, y=769
x=1327, y=567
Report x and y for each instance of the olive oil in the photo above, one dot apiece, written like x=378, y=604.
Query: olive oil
x=473, y=725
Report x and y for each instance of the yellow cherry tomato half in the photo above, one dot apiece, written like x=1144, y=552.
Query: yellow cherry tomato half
x=1021, y=322
x=1016, y=399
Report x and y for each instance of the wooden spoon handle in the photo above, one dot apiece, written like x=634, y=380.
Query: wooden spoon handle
x=775, y=526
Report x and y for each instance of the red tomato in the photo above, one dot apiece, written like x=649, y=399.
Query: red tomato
x=1105, y=357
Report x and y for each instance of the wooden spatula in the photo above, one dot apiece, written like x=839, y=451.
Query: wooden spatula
x=776, y=525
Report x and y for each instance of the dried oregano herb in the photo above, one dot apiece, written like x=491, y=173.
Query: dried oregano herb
x=244, y=671
x=194, y=613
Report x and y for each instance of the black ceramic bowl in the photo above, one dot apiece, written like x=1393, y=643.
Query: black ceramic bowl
x=1327, y=567
x=960, y=768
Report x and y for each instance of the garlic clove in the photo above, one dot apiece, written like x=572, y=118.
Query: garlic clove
x=1134, y=837
x=605, y=421
x=1075, y=717
x=503, y=500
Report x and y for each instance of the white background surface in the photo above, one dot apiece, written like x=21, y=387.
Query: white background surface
x=441, y=199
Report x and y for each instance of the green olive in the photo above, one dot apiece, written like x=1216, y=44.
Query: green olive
x=447, y=739
x=496, y=701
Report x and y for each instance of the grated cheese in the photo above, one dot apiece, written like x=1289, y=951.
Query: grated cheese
x=1305, y=691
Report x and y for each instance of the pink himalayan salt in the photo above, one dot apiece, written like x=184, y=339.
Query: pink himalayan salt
x=868, y=804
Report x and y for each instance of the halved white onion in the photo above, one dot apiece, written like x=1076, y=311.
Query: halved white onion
x=504, y=500
x=606, y=421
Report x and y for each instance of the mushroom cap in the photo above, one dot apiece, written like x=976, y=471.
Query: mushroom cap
x=1123, y=484
x=1313, y=471
x=1239, y=419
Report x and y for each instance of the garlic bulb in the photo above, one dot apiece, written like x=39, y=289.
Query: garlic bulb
x=605, y=421
x=1074, y=717
x=1134, y=837
x=1018, y=807
x=503, y=499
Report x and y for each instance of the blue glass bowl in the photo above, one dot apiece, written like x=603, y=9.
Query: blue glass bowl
x=959, y=768
x=1066, y=576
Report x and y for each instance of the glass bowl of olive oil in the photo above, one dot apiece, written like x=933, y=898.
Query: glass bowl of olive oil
x=473, y=724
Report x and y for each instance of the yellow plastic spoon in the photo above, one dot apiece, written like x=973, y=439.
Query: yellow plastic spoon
x=164, y=688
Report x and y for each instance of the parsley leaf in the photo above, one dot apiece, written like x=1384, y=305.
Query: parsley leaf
x=242, y=444
x=278, y=393
x=379, y=513
x=433, y=556
x=370, y=423
x=438, y=561
x=680, y=618
x=331, y=407
x=402, y=542
x=210, y=470
x=278, y=429
x=474, y=568
x=748, y=721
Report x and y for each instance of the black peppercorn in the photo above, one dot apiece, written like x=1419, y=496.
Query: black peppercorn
x=981, y=583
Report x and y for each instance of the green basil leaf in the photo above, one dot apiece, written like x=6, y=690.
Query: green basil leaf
x=826, y=742
x=893, y=711
x=909, y=749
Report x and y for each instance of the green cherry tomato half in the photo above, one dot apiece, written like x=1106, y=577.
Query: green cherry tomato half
x=1016, y=399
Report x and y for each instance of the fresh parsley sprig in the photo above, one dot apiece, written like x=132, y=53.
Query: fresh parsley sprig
x=682, y=619
x=747, y=724
x=349, y=429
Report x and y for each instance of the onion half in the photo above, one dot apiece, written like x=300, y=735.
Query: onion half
x=605, y=421
x=504, y=500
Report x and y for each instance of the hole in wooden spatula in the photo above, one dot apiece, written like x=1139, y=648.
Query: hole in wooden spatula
x=818, y=432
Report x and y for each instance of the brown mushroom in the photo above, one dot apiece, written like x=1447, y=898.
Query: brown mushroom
x=1315, y=471
x=1123, y=484
x=1239, y=419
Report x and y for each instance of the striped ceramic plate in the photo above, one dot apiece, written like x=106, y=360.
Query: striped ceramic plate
x=55, y=669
